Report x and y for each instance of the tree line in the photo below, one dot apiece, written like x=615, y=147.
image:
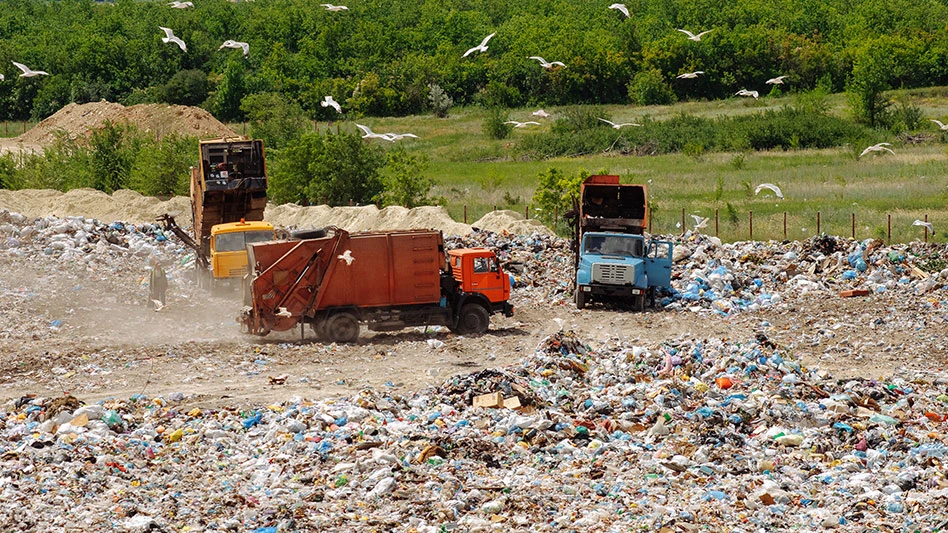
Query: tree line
x=397, y=57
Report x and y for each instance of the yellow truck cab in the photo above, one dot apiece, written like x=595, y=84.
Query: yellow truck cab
x=229, y=246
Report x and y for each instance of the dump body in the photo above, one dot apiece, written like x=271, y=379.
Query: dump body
x=613, y=259
x=229, y=185
x=386, y=279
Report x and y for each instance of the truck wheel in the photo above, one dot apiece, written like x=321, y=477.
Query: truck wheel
x=342, y=327
x=638, y=303
x=580, y=298
x=309, y=234
x=319, y=328
x=473, y=319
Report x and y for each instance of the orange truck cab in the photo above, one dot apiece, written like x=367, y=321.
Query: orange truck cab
x=477, y=271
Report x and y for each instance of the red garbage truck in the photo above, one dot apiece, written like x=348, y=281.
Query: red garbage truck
x=336, y=282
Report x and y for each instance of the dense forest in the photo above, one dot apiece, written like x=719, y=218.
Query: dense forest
x=387, y=57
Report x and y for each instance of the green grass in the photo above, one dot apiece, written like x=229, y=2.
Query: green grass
x=480, y=173
x=14, y=128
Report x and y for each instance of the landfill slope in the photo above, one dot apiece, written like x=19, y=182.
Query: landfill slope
x=755, y=395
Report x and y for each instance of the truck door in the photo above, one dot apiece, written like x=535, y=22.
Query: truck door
x=658, y=263
x=487, y=279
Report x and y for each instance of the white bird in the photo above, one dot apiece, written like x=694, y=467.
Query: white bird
x=940, y=125
x=347, y=257
x=521, y=124
x=540, y=113
x=617, y=126
x=745, y=92
x=329, y=102
x=181, y=5
x=330, y=7
x=775, y=81
x=771, y=187
x=481, y=47
x=397, y=136
x=27, y=73
x=700, y=222
x=690, y=75
x=170, y=38
x=236, y=44
x=881, y=147
x=369, y=134
x=621, y=8
x=2, y=77
x=693, y=37
x=546, y=64
x=928, y=225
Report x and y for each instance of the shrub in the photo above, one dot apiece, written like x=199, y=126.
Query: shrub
x=495, y=123
x=274, y=119
x=649, y=87
x=404, y=179
x=162, y=167
x=438, y=101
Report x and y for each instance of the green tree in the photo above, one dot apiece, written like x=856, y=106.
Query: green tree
x=557, y=192
x=114, y=148
x=186, y=87
x=274, y=119
x=330, y=168
x=230, y=91
x=650, y=88
x=404, y=179
x=495, y=123
x=162, y=167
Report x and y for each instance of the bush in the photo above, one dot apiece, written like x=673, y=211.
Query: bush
x=331, y=168
x=114, y=149
x=438, y=101
x=495, y=123
x=404, y=180
x=649, y=87
x=162, y=167
x=557, y=192
x=186, y=87
x=274, y=119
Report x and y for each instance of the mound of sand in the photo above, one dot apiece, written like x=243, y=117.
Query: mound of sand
x=78, y=120
x=130, y=206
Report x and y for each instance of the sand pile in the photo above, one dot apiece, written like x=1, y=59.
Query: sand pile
x=130, y=206
x=78, y=120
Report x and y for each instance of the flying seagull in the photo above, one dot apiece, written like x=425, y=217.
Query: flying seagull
x=745, y=92
x=397, y=136
x=700, y=222
x=621, y=8
x=481, y=47
x=330, y=7
x=181, y=5
x=236, y=44
x=2, y=77
x=940, y=125
x=329, y=102
x=927, y=225
x=776, y=81
x=545, y=64
x=690, y=75
x=693, y=37
x=27, y=73
x=540, y=113
x=617, y=126
x=881, y=147
x=771, y=187
x=170, y=38
x=369, y=134
x=521, y=124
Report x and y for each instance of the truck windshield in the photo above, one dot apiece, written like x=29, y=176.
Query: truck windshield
x=613, y=245
x=235, y=242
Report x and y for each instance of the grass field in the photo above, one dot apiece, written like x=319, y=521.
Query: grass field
x=475, y=171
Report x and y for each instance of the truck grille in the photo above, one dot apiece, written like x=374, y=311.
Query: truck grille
x=613, y=274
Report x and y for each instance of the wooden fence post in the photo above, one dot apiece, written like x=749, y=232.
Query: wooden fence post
x=526, y=212
x=889, y=231
x=751, y=219
x=715, y=222
x=784, y=225
x=854, y=226
x=818, y=223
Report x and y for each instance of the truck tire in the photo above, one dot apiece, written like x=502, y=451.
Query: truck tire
x=473, y=319
x=580, y=298
x=638, y=303
x=309, y=234
x=342, y=327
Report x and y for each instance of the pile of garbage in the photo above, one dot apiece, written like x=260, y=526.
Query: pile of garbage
x=605, y=436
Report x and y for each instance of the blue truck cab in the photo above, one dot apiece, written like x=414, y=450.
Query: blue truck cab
x=614, y=260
